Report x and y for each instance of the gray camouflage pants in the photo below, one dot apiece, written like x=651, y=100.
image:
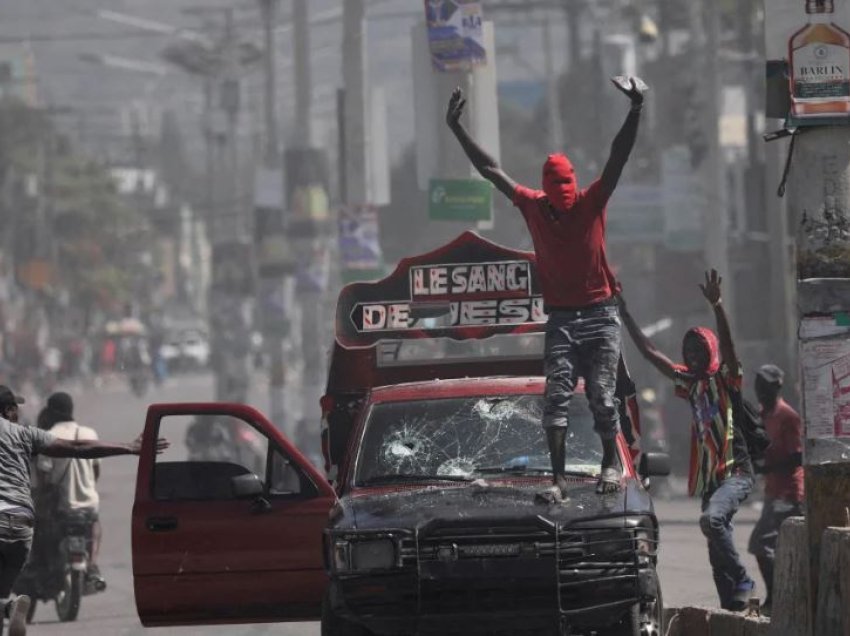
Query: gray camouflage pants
x=583, y=343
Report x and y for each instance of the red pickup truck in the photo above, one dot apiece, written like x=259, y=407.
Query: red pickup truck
x=426, y=519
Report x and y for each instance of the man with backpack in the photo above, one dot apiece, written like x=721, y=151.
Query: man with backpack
x=782, y=469
x=721, y=470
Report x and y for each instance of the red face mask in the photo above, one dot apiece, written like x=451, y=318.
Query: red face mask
x=559, y=182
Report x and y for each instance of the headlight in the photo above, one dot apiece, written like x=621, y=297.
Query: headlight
x=645, y=541
x=612, y=544
x=373, y=555
x=370, y=554
x=341, y=556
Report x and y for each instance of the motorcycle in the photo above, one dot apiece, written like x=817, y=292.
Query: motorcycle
x=58, y=568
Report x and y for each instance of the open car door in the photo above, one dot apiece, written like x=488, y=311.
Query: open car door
x=227, y=522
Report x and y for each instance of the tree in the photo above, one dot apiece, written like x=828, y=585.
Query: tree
x=96, y=241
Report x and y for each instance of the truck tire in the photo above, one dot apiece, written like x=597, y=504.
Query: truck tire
x=642, y=619
x=333, y=625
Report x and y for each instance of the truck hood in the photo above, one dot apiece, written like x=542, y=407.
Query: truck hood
x=477, y=502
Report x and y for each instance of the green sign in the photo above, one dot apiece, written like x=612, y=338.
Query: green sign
x=460, y=200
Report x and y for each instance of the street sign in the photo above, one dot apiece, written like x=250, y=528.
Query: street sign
x=460, y=200
x=455, y=34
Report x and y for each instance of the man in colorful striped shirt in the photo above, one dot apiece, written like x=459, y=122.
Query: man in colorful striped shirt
x=721, y=471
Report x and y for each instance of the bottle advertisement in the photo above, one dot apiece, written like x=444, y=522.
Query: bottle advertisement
x=808, y=61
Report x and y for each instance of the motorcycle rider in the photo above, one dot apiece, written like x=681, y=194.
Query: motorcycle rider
x=73, y=480
x=18, y=445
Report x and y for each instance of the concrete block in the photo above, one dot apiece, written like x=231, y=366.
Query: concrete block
x=792, y=612
x=833, y=587
x=755, y=627
x=726, y=623
x=693, y=621
x=823, y=295
x=827, y=501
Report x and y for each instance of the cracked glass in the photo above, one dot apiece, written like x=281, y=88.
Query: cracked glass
x=466, y=438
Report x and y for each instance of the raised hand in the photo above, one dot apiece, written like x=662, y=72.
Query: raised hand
x=455, y=109
x=711, y=288
x=631, y=87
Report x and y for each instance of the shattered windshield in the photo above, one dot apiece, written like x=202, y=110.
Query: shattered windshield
x=466, y=438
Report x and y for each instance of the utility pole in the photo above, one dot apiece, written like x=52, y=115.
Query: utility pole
x=705, y=32
x=273, y=286
x=309, y=297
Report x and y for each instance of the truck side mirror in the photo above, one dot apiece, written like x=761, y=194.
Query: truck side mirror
x=246, y=486
x=655, y=464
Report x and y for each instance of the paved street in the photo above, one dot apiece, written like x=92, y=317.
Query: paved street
x=120, y=416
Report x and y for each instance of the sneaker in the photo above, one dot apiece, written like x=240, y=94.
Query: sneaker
x=741, y=596
x=18, y=610
x=95, y=579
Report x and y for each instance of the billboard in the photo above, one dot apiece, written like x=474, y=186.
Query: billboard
x=808, y=61
x=455, y=34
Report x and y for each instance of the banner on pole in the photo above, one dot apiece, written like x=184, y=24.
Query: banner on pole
x=808, y=61
x=359, y=243
x=455, y=34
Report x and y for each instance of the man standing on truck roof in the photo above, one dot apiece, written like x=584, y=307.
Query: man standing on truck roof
x=567, y=226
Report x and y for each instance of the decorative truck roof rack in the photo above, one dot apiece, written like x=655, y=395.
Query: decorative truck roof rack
x=468, y=309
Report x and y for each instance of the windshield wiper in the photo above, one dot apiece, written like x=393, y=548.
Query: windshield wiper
x=527, y=469
x=385, y=479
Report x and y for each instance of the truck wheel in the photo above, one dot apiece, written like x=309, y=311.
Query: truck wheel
x=642, y=619
x=333, y=625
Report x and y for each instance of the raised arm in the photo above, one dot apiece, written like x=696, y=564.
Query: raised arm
x=486, y=165
x=93, y=449
x=623, y=143
x=644, y=345
x=711, y=291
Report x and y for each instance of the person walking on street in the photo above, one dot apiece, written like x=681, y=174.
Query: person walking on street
x=721, y=471
x=18, y=445
x=782, y=469
x=567, y=227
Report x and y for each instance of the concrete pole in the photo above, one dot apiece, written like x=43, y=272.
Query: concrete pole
x=303, y=76
x=274, y=342
x=271, y=146
x=553, y=94
x=819, y=198
x=231, y=79
x=705, y=31
x=355, y=111
x=309, y=302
